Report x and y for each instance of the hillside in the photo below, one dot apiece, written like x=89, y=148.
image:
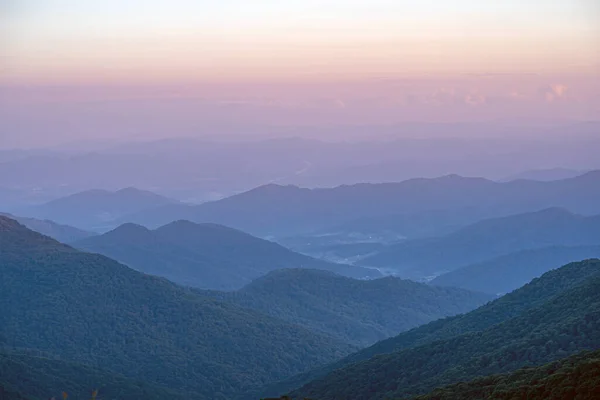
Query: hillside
x=564, y=325
x=577, y=377
x=505, y=273
x=97, y=209
x=356, y=311
x=206, y=256
x=62, y=233
x=422, y=258
x=289, y=210
x=534, y=294
x=87, y=308
x=31, y=377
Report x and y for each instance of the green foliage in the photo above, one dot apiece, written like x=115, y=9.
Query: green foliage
x=532, y=295
x=355, y=311
x=35, y=377
x=89, y=309
x=563, y=325
x=576, y=377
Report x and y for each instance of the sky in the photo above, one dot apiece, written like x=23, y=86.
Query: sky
x=206, y=63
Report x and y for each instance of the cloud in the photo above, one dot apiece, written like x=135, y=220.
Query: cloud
x=474, y=99
x=554, y=92
x=517, y=95
x=442, y=96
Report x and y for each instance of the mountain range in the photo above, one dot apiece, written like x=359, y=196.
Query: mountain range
x=215, y=166
x=207, y=256
x=70, y=318
x=561, y=326
x=517, y=303
x=487, y=239
x=88, y=309
x=274, y=210
x=354, y=311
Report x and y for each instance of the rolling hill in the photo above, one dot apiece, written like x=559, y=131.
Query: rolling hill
x=534, y=294
x=289, y=210
x=206, y=256
x=356, y=311
x=487, y=239
x=506, y=273
x=97, y=209
x=88, y=309
x=562, y=326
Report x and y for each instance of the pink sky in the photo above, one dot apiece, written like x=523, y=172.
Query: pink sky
x=69, y=66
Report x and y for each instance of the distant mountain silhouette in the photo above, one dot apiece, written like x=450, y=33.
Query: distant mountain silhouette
x=487, y=239
x=207, y=256
x=544, y=175
x=97, y=209
x=506, y=273
x=289, y=210
x=62, y=233
x=535, y=294
x=86, y=308
x=561, y=326
x=219, y=165
x=356, y=311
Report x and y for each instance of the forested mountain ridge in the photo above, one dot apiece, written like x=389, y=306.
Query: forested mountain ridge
x=534, y=294
x=87, y=308
x=564, y=325
x=356, y=311
x=207, y=256
x=575, y=377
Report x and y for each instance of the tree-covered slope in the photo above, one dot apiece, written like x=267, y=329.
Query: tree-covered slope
x=206, y=256
x=35, y=377
x=576, y=377
x=506, y=273
x=357, y=311
x=534, y=294
x=564, y=325
x=89, y=309
x=487, y=239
